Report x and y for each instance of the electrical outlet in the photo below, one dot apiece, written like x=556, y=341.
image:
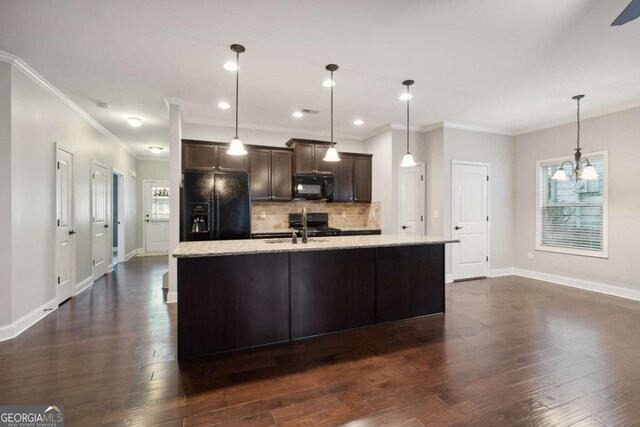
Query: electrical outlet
x=372, y=214
x=344, y=213
x=435, y=214
x=263, y=215
x=529, y=255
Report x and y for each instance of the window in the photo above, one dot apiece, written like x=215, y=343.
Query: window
x=571, y=216
x=159, y=203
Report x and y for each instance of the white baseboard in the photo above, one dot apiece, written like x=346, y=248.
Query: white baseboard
x=159, y=253
x=499, y=272
x=83, y=285
x=448, y=278
x=14, y=329
x=172, y=297
x=131, y=254
x=580, y=284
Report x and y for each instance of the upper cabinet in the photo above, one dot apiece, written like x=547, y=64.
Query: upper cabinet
x=353, y=178
x=308, y=157
x=200, y=156
x=270, y=174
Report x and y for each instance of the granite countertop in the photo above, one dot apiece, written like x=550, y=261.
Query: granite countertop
x=256, y=246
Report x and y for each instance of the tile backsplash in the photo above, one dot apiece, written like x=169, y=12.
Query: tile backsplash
x=272, y=216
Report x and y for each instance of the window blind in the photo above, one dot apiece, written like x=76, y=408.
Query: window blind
x=571, y=213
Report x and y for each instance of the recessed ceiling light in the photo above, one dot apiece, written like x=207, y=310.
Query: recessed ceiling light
x=155, y=149
x=231, y=66
x=224, y=105
x=405, y=97
x=134, y=122
x=297, y=114
x=328, y=83
x=358, y=122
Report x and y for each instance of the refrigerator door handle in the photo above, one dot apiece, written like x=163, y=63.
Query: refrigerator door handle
x=217, y=203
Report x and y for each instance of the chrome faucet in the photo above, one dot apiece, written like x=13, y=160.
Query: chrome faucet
x=305, y=236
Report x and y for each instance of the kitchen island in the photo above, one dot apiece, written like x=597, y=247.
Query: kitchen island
x=237, y=294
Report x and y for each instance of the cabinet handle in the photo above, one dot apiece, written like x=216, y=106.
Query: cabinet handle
x=355, y=198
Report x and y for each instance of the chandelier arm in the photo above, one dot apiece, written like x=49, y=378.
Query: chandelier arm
x=573, y=168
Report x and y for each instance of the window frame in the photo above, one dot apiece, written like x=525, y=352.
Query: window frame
x=604, y=253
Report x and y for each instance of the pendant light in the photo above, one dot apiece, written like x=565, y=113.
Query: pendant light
x=332, y=153
x=589, y=172
x=236, y=148
x=407, y=160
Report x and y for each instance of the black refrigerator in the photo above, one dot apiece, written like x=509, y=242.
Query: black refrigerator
x=215, y=206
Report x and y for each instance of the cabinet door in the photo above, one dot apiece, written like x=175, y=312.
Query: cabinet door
x=199, y=157
x=304, y=162
x=320, y=166
x=227, y=163
x=361, y=179
x=343, y=179
x=281, y=175
x=260, y=166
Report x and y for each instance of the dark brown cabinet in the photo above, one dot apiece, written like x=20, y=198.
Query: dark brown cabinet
x=353, y=178
x=200, y=156
x=270, y=174
x=308, y=157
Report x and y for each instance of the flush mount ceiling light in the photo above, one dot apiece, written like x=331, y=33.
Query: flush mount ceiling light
x=155, y=149
x=332, y=153
x=231, y=66
x=236, y=148
x=224, y=105
x=407, y=160
x=577, y=170
x=328, y=83
x=358, y=122
x=297, y=114
x=134, y=122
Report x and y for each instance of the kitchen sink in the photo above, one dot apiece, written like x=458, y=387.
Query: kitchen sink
x=278, y=241
x=311, y=240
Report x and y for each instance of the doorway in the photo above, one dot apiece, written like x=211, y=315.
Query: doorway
x=156, y=216
x=65, y=255
x=470, y=219
x=117, y=215
x=412, y=196
x=99, y=213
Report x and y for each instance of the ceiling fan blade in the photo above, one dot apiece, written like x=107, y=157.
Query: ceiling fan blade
x=631, y=12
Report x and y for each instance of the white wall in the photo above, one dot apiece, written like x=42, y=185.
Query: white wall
x=381, y=169
x=434, y=165
x=619, y=134
x=38, y=120
x=148, y=170
x=5, y=193
x=260, y=137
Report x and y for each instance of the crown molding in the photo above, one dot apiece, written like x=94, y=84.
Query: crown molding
x=268, y=128
x=25, y=69
x=153, y=159
x=397, y=126
x=378, y=131
x=481, y=129
x=170, y=100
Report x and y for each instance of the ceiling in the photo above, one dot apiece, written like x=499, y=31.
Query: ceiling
x=510, y=66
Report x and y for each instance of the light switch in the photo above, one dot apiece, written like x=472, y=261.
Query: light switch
x=529, y=255
x=435, y=214
x=263, y=215
x=344, y=213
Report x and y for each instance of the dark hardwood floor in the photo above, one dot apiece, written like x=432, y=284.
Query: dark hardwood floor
x=509, y=351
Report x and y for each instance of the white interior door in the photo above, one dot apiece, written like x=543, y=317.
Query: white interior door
x=65, y=242
x=156, y=216
x=412, y=194
x=470, y=220
x=99, y=225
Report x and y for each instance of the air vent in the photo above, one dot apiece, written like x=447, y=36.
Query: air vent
x=307, y=111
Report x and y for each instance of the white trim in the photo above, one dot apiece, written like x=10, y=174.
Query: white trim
x=25, y=69
x=14, y=329
x=500, y=272
x=121, y=216
x=451, y=232
x=268, y=128
x=83, y=285
x=602, y=288
x=399, y=126
x=154, y=159
x=159, y=253
x=170, y=100
x=133, y=253
x=604, y=253
x=448, y=278
x=172, y=297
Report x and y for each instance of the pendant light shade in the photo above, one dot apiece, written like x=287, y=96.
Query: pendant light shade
x=332, y=153
x=407, y=160
x=236, y=148
x=587, y=173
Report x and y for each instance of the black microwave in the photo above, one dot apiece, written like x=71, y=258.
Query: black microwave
x=313, y=187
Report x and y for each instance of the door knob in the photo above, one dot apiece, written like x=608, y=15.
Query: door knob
x=458, y=228
x=404, y=227
x=106, y=226
x=72, y=232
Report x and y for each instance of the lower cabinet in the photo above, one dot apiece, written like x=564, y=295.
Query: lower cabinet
x=331, y=291
x=362, y=233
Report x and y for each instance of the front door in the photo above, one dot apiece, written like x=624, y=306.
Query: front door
x=65, y=242
x=470, y=220
x=99, y=225
x=412, y=194
x=156, y=215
